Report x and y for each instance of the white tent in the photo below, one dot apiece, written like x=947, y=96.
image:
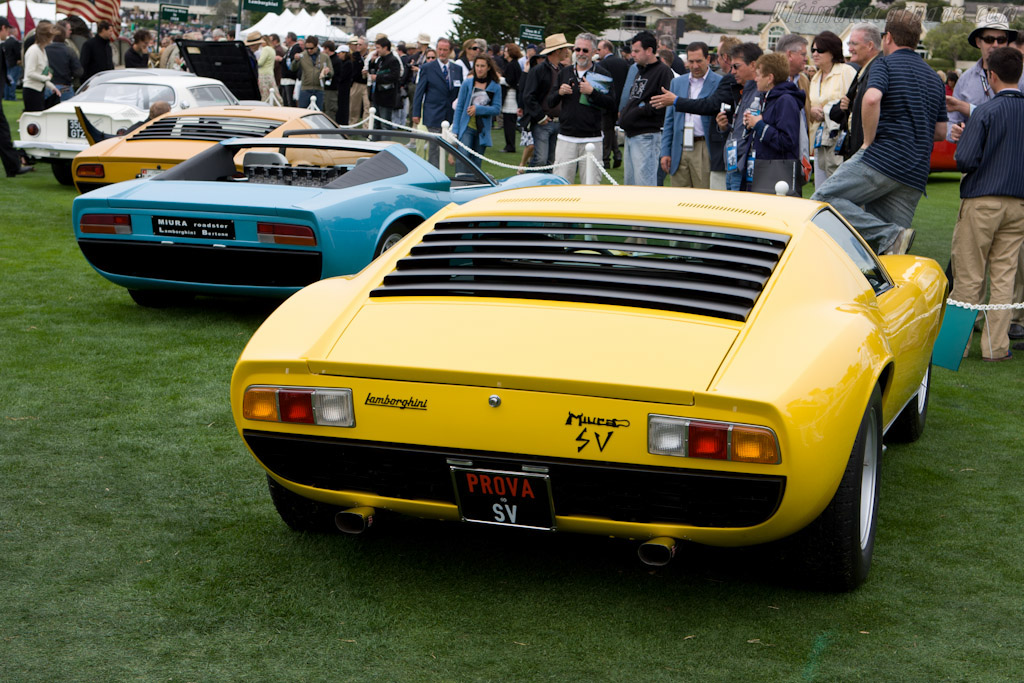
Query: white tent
x=38, y=10
x=301, y=24
x=434, y=17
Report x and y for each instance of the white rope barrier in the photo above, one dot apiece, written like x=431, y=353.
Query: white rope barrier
x=450, y=137
x=984, y=307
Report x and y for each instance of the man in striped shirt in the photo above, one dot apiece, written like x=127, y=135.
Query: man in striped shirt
x=991, y=224
x=904, y=112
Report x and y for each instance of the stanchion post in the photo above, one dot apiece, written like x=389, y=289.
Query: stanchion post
x=589, y=171
x=441, y=153
x=369, y=121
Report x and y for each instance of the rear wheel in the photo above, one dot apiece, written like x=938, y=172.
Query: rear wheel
x=302, y=514
x=159, y=298
x=62, y=171
x=909, y=425
x=390, y=238
x=837, y=547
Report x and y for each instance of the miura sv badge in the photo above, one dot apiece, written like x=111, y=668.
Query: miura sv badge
x=586, y=437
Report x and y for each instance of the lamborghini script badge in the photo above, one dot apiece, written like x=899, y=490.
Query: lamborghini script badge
x=412, y=403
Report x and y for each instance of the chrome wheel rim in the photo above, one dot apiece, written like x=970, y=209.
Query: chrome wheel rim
x=868, y=479
x=922, y=391
x=391, y=241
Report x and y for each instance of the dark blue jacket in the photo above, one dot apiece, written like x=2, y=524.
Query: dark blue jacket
x=991, y=148
x=434, y=96
x=777, y=134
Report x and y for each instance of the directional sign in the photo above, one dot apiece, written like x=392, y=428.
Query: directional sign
x=176, y=14
x=531, y=34
x=263, y=5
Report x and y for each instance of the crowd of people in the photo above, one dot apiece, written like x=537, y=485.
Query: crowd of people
x=733, y=118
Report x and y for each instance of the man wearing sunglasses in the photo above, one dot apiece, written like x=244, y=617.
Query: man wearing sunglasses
x=973, y=89
x=585, y=94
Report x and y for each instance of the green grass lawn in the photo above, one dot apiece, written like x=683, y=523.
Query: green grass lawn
x=138, y=541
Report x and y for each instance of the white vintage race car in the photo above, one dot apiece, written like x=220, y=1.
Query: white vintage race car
x=113, y=101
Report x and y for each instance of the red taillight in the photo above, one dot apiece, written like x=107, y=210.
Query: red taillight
x=709, y=441
x=296, y=405
x=90, y=171
x=286, y=233
x=32, y=129
x=106, y=223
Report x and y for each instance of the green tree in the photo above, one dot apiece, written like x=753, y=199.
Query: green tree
x=499, y=21
x=730, y=5
x=949, y=41
x=696, y=22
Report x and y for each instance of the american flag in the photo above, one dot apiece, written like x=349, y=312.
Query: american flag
x=93, y=10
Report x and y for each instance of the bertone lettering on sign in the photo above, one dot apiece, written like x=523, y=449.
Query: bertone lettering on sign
x=412, y=403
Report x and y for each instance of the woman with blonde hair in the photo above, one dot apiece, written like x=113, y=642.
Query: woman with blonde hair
x=38, y=85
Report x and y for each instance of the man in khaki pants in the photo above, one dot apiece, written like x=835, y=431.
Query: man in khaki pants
x=991, y=223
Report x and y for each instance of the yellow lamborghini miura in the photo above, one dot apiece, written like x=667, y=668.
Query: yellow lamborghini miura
x=646, y=363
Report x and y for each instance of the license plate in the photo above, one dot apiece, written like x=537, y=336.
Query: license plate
x=149, y=173
x=75, y=131
x=205, y=228
x=504, y=498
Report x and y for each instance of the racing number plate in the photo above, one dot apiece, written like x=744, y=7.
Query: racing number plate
x=205, y=228
x=75, y=131
x=504, y=498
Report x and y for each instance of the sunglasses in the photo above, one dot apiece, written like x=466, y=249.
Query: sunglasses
x=310, y=49
x=998, y=40
x=736, y=65
x=818, y=50
x=584, y=50
x=472, y=48
x=430, y=59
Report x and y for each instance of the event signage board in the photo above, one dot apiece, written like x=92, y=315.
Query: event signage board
x=176, y=14
x=531, y=34
x=263, y=5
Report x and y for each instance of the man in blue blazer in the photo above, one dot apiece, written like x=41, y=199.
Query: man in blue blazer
x=686, y=138
x=436, y=90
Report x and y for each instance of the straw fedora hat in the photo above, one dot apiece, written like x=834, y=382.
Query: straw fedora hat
x=996, y=22
x=254, y=38
x=423, y=39
x=555, y=42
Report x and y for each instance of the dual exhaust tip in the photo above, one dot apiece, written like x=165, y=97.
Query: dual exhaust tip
x=656, y=552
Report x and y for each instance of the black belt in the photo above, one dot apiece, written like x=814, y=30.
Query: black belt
x=698, y=138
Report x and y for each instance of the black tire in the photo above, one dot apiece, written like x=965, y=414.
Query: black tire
x=159, y=298
x=909, y=425
x=62, y=172
x=837, y=547
x=302, y=514
x=390, y=238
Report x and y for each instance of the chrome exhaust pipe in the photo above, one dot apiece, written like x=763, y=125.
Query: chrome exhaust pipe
x=657, y=552
x=354, y=520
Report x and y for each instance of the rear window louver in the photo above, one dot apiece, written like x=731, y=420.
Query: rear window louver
x=717, y=272
x=208, y=128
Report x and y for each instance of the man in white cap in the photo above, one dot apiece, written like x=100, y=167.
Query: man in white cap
x=972, y=90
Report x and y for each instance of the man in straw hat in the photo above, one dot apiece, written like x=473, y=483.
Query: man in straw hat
x=541, y=83
x=973, y=89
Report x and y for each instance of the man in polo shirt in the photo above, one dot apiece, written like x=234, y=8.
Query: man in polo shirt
x=904, y=113
x=990, y=230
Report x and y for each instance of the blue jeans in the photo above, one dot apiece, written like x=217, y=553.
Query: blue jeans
x=470, y=138
x=732, y=180
x=13, y=76
x=66, y=92
x=544, y=144
x=640, y=161
x=306, y=95
x=888, y=205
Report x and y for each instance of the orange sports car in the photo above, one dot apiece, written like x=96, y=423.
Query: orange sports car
x=169, y=139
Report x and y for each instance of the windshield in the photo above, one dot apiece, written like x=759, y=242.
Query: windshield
x=138, y=95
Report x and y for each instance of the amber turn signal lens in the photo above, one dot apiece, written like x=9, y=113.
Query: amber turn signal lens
x=260, y=403
x=750, y=444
